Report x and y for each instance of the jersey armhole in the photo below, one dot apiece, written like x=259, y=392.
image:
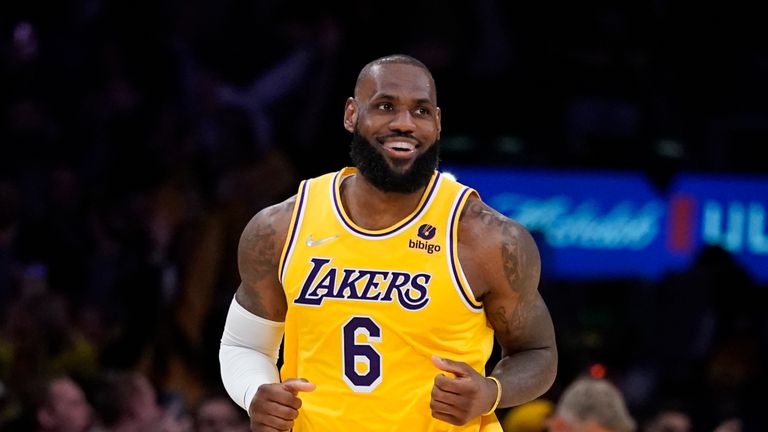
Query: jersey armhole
x=293, y=229
x=457, y=273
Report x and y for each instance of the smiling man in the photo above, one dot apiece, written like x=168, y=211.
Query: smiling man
x=403, y=150
x=388, y=281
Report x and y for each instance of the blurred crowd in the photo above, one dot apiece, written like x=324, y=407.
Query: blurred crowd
x=693, y=344
x=138, y=137
x=120, y=402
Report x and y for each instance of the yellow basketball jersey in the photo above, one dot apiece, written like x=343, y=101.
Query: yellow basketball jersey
x=368, y=309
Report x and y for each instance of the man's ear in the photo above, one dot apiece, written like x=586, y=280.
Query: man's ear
x=350, y=114
x=439, y=119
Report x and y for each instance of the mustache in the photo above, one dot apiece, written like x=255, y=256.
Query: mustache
x=400, y=135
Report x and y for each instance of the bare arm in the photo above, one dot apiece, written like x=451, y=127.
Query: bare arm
x=258, y=257
x=254, y=327
x=502, y=262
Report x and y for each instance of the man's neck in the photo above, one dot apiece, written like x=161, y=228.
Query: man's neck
x=374, y=209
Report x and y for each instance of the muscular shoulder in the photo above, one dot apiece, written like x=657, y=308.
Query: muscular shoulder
x=258, y=256
x=267, y=230
x=500, y=252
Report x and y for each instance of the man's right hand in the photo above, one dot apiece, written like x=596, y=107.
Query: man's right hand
x=276, y=406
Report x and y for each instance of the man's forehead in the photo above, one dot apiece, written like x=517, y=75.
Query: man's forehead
x=395, y=79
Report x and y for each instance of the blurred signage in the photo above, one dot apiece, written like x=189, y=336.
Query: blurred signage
x=599, y=224
x=726, y=211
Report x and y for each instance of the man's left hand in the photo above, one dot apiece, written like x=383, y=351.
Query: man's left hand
x=459, y=398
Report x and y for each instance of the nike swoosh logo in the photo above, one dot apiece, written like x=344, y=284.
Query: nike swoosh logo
x=311, y=242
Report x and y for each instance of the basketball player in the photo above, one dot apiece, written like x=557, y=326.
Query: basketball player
x=389, y=280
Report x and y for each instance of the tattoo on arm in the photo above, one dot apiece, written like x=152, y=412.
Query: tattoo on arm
x=513, y=305
x=252, y=302
x=262, y=257
x=520, y=269
x=510, y=255
x=476, y=209
x=500, y=317
x=258, y=258
x=510, y=250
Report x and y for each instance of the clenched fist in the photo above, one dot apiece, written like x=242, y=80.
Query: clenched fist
x=275, y=406
x=461, y=398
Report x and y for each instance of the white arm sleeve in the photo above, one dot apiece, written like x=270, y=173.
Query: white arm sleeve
x=248, y=353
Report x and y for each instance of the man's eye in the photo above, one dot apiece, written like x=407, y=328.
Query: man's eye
x=386, y=106
x=421, y=111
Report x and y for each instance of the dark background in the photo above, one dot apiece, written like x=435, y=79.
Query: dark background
x=138, y=138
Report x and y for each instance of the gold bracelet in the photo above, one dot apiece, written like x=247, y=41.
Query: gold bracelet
x=498, y=395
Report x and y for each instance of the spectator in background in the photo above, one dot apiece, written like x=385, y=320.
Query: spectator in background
x=591, y=405
x=64, y=407
x=669, y=420
x=51, y=404
x=39, y=336
x=220, y=414
x=127, y=402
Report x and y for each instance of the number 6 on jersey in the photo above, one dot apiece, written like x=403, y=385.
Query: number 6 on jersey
x=361, y=353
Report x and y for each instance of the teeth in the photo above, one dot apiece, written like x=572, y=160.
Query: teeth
x=400, y=145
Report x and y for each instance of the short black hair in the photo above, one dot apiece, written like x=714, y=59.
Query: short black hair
x=393, y=59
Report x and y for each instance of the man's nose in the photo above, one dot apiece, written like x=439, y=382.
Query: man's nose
x=403, y=121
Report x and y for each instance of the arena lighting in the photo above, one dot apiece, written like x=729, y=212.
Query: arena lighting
x=597, y=371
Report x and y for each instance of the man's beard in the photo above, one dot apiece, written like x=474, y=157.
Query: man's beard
x=373, y=166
